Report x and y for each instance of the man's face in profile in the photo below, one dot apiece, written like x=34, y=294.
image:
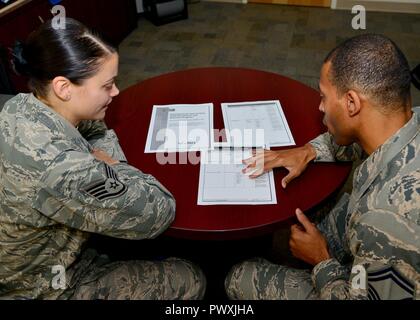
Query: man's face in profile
x=334, y=108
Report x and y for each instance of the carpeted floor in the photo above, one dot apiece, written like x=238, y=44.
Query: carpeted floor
x=289, y=40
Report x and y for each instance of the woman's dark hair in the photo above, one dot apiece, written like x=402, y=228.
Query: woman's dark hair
x=415, y=76
x=74, y=52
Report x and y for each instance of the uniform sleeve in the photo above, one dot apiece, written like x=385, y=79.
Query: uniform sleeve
x=333, y=229
x=83, y=193
x=98, y=135
x=328, y=151
x=386, y=264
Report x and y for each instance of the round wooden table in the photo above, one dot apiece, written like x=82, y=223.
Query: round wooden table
x=130, y=113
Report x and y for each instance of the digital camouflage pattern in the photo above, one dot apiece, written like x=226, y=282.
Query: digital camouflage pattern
x=54, y=192
x=170, y=279
x=377, y=227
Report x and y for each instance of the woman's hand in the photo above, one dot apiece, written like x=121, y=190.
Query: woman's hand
x=103, y=156
x=294, y=160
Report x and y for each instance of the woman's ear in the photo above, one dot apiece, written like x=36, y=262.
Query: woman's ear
x=61, y=87
x=353, y=103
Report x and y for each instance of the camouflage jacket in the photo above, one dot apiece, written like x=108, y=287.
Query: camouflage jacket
x=54, y=192
x=375, y=239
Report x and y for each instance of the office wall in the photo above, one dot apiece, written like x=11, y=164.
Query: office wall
x=407, y=6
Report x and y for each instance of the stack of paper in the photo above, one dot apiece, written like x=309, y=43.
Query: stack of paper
x=222, y=181
x=180, y=127
x=189, y=127
x=263, y=121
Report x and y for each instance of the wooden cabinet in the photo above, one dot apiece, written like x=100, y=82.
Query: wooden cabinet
x=114, y=19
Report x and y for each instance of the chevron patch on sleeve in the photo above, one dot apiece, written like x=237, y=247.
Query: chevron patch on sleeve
x=109, y=188
x=392, y=283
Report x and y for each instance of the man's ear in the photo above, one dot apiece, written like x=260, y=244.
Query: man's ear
x=353, y=103
x=61, y=86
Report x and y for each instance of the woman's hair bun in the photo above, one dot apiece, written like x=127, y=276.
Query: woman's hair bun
x=75, y=53
x=19, y=63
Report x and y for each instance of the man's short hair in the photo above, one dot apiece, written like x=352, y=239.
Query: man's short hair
x=373, y=65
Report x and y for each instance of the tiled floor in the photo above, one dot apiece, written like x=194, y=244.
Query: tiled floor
x=289, y=40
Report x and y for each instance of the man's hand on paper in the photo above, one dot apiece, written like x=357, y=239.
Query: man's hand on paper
x=294, y=160
x=103, y=156
x=306, y=242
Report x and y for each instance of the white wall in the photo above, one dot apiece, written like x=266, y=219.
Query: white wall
x=408, y=6
x=139, y=4
x=334, y=2
x=394, y=1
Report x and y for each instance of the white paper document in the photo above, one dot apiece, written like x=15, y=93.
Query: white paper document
x=257, y=123
x=180, y=128
x=222, y=181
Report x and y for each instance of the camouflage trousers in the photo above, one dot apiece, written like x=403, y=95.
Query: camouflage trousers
x=259, y=279
x=169, y=279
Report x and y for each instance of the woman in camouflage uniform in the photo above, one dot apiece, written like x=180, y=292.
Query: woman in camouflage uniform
x=64, y=176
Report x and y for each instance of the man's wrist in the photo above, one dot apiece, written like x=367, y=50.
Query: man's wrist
x=310, y=152
x=325, y=255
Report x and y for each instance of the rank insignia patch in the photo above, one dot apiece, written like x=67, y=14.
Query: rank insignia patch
x=389, y=280
x=109, y=188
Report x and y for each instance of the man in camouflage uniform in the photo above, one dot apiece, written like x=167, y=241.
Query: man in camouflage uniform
x=368, y=247
x=54, y=192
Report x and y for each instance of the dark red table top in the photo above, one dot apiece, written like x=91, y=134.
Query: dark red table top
x=130, y=113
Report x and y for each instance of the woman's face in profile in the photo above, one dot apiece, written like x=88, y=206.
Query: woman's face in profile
x=91, y=99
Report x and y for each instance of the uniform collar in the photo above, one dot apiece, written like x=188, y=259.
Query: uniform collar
x=377, y=161
x=57, y=123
